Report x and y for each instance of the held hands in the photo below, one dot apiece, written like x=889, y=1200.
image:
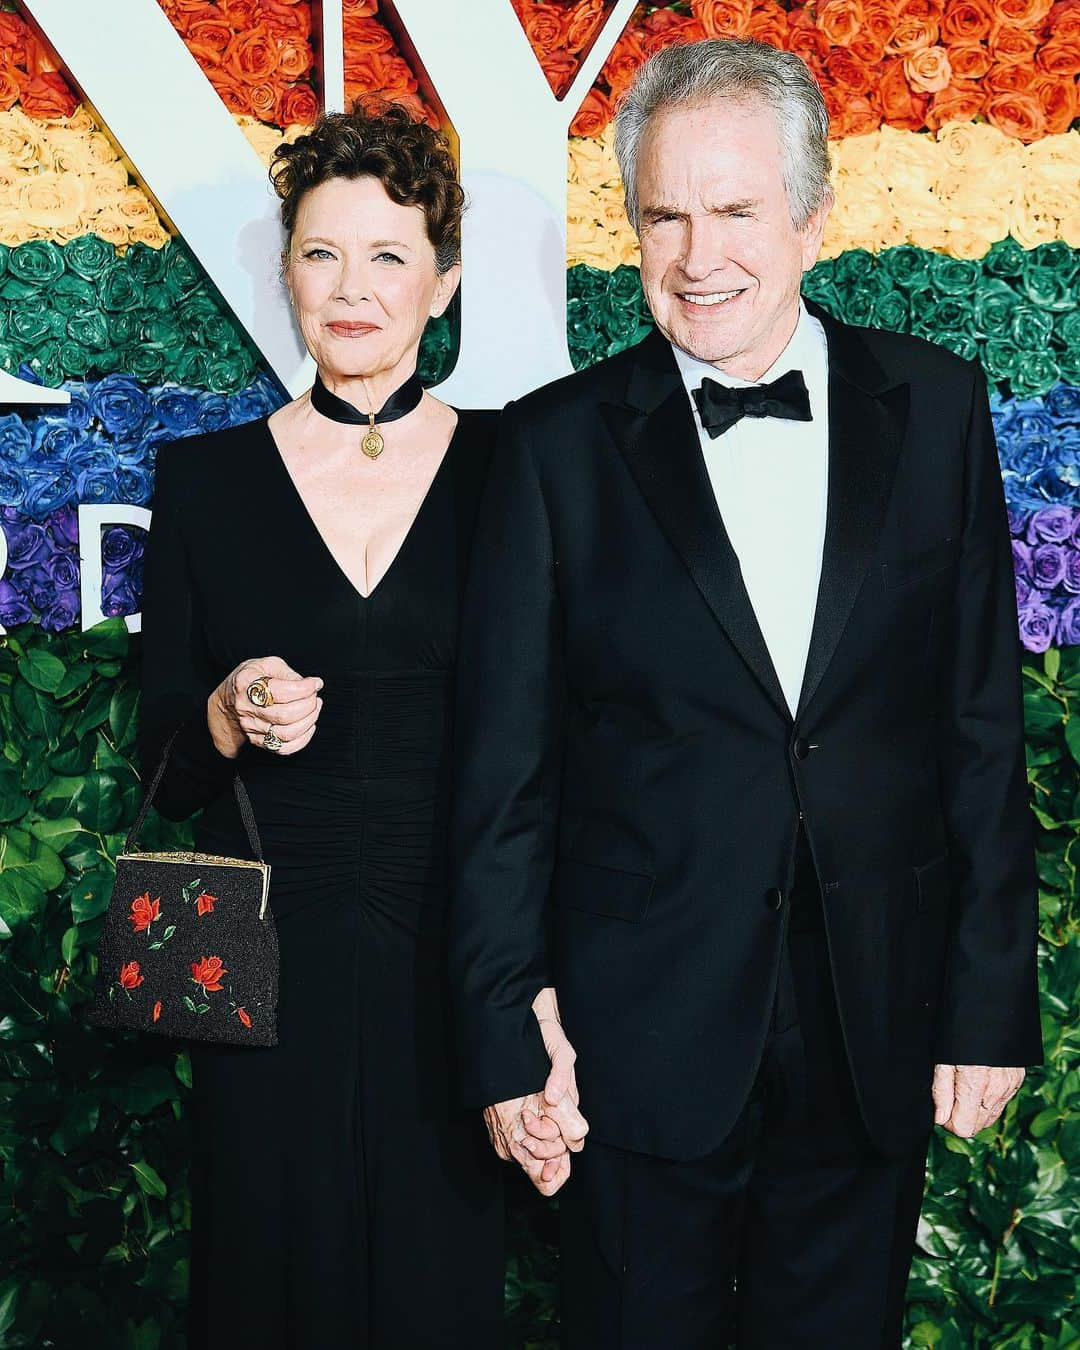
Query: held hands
x=293, y=714
x=969, y=1097
x=541, y=1130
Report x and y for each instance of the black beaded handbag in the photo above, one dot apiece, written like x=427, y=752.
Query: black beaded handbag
x=189, y=947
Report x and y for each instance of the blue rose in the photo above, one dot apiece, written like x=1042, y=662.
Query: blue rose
x=257, y=400
x=64, y=526
x=55, y=439
x=1038, y=626
x=1046, y=483
x=93, y=452
x=77, y=413
x=120, y=405
x=1052, y=525
x=1030, y=418
x=15, y=439
x=1069, y=624
x=63, y=568
x=118, y=596
x=1063, y=402
x=134, y=486
x=27, y=545
x=63, y=613
x=49, y=486
x=1028, y=454
x=213, y=412
x=177, y=409
x=117, y=547
x=96, y=485
x=13, y=608
x=1048, y=566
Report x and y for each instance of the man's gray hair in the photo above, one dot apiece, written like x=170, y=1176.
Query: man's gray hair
x=742, y=70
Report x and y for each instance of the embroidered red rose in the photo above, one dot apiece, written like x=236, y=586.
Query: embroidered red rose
x=144, y=911
x=129, y=975
x=208, y=972
x=157, y=1011
x=204, y=904
x=243, y=1017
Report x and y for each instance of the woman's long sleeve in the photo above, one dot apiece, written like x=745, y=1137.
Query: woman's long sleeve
x=177, y=673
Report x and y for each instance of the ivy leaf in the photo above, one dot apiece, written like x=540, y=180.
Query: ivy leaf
x=123, y=708
x=148, y=1180
x=21, y=896
x=97, y=802
x=56, y=833
x=41, y=669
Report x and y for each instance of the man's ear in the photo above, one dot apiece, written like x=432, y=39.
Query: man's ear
x=814, y=231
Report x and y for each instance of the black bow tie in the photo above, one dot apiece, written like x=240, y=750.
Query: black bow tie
x=720, y=406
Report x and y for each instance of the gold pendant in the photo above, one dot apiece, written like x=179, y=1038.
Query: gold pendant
x=373, y=445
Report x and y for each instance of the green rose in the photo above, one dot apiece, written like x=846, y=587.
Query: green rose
x=1000, y=357
x=124, y=329
x=120, y=291
x=197, y=310
x=4, y=321
x=89, y=329
x=28, y=327
x=924, y=302
x=220, y=334
x=76, y=360
x=581, y=335
x=57, y=324
x=908, y=266
x=89, y=256
x=1067, y=329
x=855, y=268
x=231, y=372
x=182, y=276
x=1069, y=364
x=190, y=366
x=1005, y=259
x=891, y=311
x=963, y=344
x=953, y=276
x=438, y=351
x=950, y=315
x=820, y=289
x=624, y=288
x=147, y=364
x=1047, y=288
x=38, y=263
x=17, y=292
x=1058, y=256
x=859, y=308
x=1036, y=373
x=1031, y=328
x=995, y=304
x=47, y=364
x=146, y=264
x=161, y=330
x=4, y=251
x=586, y=283
x=72, y=295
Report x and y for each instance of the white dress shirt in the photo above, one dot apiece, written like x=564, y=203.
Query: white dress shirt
x=770, y=477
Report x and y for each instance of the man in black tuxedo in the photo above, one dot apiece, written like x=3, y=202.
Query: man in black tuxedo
x=741, y=809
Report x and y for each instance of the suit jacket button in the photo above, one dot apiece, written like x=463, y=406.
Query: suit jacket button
x=801, y=748
x=774, y=897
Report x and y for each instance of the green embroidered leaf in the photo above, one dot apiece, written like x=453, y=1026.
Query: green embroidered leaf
x=189, y=1003
x=203, y=1008
x=191, y=890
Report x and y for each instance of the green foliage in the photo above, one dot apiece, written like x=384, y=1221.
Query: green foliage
x=93, y=1147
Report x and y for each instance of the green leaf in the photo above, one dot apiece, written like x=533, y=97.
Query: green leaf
x=123, y=710
x=97, y=802
x=41, y=669
x=183, y=1068
x=67, y=945
x=21, y=896
x=92, y=895
x=148, y=1180
x=107, y=640
x=56, y=833
x=1072, y=736
x=191, y=890
x=1052, y=662
x=79, y=1123
x=189, y=1003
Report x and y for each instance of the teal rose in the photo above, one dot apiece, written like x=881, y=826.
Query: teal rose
x=120, y=291
x=37, y=263
x=89, y=256
x=995, y=304
x=954, y=276
x=1031, y=327
x=146, y=264
x=72, y=295
x=586, y=283
x=181, y=274
x=907, y=266
x=1000, y=357
x=891, y=310
x=1036, y=373
x=1005, y=259
x=89, y=329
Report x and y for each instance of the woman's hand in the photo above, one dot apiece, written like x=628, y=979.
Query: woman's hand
x=234, y=719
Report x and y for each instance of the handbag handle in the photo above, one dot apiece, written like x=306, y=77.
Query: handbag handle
x=243, y=801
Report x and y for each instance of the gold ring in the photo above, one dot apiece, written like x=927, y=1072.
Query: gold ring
x=272, y=740
x=258, y=692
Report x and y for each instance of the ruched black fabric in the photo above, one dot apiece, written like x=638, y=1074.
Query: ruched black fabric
x=340, y=1198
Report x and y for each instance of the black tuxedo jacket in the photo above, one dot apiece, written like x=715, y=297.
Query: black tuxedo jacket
x=630, y=779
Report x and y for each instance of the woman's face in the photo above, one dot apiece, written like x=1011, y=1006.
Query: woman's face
x=363, y=280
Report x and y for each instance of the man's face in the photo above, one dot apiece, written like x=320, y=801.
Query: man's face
x=721, y=260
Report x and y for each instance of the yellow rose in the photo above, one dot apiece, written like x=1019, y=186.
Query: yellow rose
x=152, y=233
x=969, y=244
x=51, y=200
x=111, y=228
x=856, y=155
x=264, y=140
x=134, y=207
x=20, y=140
x=1070, y=230
x=15, y=229
x=1056, y=158
x=929, y=238
x=80, y=120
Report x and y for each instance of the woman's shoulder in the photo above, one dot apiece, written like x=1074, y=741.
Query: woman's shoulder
x=213, y=457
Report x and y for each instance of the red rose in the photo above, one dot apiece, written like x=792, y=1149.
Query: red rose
x=204, y=904
x=157, y=1011
x=129, y=975
x=243, y=1017
x=1059, y=101
x=144, y=911
x=208, y=972
x=901, y=106
x=48, y=95
x=967, y=21
x=593, y=115
x=1018, y=115
x=969, y=60
x=298, y=103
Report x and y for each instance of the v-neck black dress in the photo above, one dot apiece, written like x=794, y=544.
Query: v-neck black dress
x=339, y=1198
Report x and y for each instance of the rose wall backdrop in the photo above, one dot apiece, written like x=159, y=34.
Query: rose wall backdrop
x=957, y=167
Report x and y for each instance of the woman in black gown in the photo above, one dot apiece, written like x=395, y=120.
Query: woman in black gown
x=338, y=1198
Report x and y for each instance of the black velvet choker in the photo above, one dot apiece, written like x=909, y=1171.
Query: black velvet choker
x=401, y=402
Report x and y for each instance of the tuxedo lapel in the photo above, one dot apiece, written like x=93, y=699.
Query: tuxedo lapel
x=867, y=422
x=658, y=439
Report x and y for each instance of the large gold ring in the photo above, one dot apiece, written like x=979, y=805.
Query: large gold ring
x=272, y=740
x=258, y=692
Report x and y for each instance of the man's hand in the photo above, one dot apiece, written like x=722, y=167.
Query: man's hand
x=560, y=1096
x=969, y=1097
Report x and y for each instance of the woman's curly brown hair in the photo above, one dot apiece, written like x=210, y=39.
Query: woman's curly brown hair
x=413, y=163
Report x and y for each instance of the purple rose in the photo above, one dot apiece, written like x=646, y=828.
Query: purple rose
x=1018, y=519
x=1076, y=532
x=118, y=596
x=1069, y=624
x=1038, y=624
x=1072, y=571
x=64, y=613
x=36, y=586
x=13, y=608
x=1053, y=524
x=26, y=546
x=64, y=570
x=1021, y=555
x=1023, y=591
x=1048, y=565
x=64, y=525
x=118, y=548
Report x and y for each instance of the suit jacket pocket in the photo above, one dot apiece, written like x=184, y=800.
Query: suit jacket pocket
x=606, y=891
x=928, y=563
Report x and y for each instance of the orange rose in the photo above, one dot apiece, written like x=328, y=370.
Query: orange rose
x=10, y=86
x=298, y=103
x=251, y=58
x=1009, y=44
x=295, y=58
x=13, y=34
x=849, y=73
x=1064, y=19
x=969, y=60
x=234, y=95
x=157, y=1010
x=244, y=1018
x=840, y=21
x=681, y=29
x=868, y=49
x=1060, y=103
x=722, y=18
x=926, y=11
x=366, y=35
x=282, y=19
x=48, y=95
x=805, y=39
x=857, y=117
x=1060, y=57
x=583, y=21
x=361, y=8
x=1023, y=13
x=129, y=975
x=1010, y=79
x=929, y=70
x=626, y=58
x=39, y=59
x=208, y=971
x=545, y=27
x=144, y=912
x=1018, y=115
x=209, y=33
x=204, y=904
x=263, y=100
x=240, y=14
x=593, y=115
x=967, y=21
x=912, y=34
x=961, y=102
x=901, y=106
x=769, y=23
x=879, y=20
x=182, y=20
